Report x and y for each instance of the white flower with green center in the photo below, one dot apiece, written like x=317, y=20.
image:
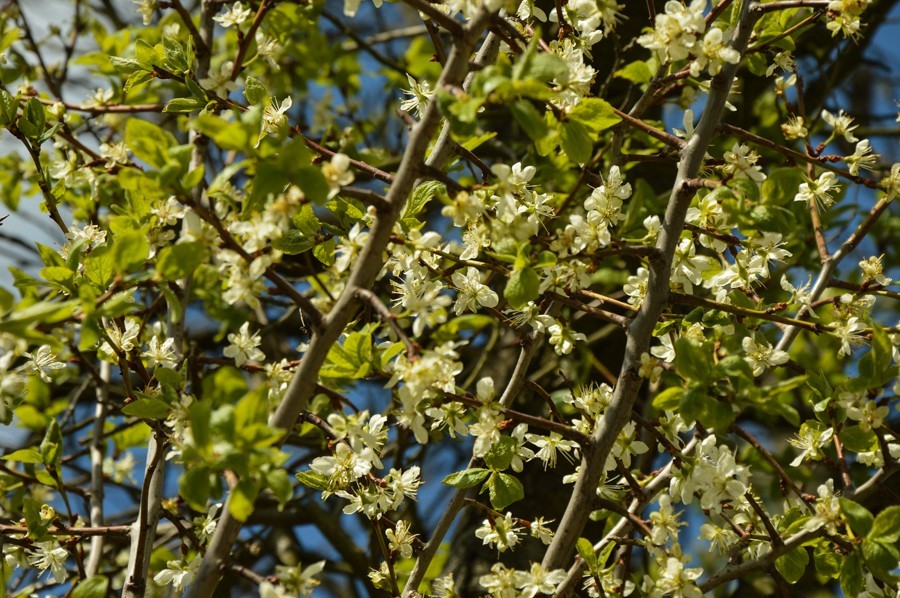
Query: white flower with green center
x=43, y=362
x=420, y=93
x=761, y=355
x=274, y=118
x=178, y=574
x=48, y=555
x=842, y=126
x=821, y=190
x=244, y=346
x=538, y=580
x=233, y=15
x=471, y=293
x=502, y=533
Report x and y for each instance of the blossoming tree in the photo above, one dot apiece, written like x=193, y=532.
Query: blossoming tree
x=431, y=298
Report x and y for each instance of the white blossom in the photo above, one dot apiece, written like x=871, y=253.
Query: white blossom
x=244, y=346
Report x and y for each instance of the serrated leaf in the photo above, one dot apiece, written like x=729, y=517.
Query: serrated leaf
x=504, y=490
x=148, y=142
x=858, y=516
x=669, y=399
x=793, y=564
x=147, y=408
x=827, y=561
x=851, y=576
x=243, y=496
x=636, y=72
x=292, y=242
x=595, y=114
x=9, y=108
x=468, y=478
x=312, y=479
x=528, y=117
x=586, y=551
x=146, y=55
x=25, y=455
x=130, y=250
x=195, y=487
x=92, y=587
x=184, y=105
x=175, y=262
x=279, y=482
x=255, y=92
x=886, y=526
x=126, y=66
x=881, y=558
x=420, y=197
x=523, y=286
x=855, y=439
x=502, y=452
x=576, y=141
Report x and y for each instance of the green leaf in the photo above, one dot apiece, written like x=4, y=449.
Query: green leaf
x=126, y=66
x=536, y=65
x=504, y=490
x=851, y=576
x=324, y=252
x=311, y=181
x=827, y=560
x=876, y=366
x=25, y=455
x=196, y=487
x=92, y=587
x=51, y=445
x=148, y=142
x=243, y=495
x=886, y=527
x=175, y=262
x=306, y=221
x=100, y=266
x=146, y=55
x=9, y=108
x=312, y=479
x=576, y=141
x=147, y=408
x=293, y=241
x=175, y=57
x=669, y=399
x=858, y=516
x=502, y=452
x=586, y=551
x=252, y=409
x=692, y=359
x=637, y=72
x=130, y=250
x=856, y=439
x=882, y=557
x=199, y=414
x=793, y=564
x=595, y=114
x=781, y=185
x=184, y=105
x=33, y=119
x=234, y=136
x=420, y=197
x=468, y=478
x=256, y=92
x=523, y=286
x=528, y=117
x=350, y=359
x=167, y=377
x=58, y=274
x=279, y=482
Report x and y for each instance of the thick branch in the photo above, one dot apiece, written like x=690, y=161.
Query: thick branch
x=640, y=331
x=371, y=259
